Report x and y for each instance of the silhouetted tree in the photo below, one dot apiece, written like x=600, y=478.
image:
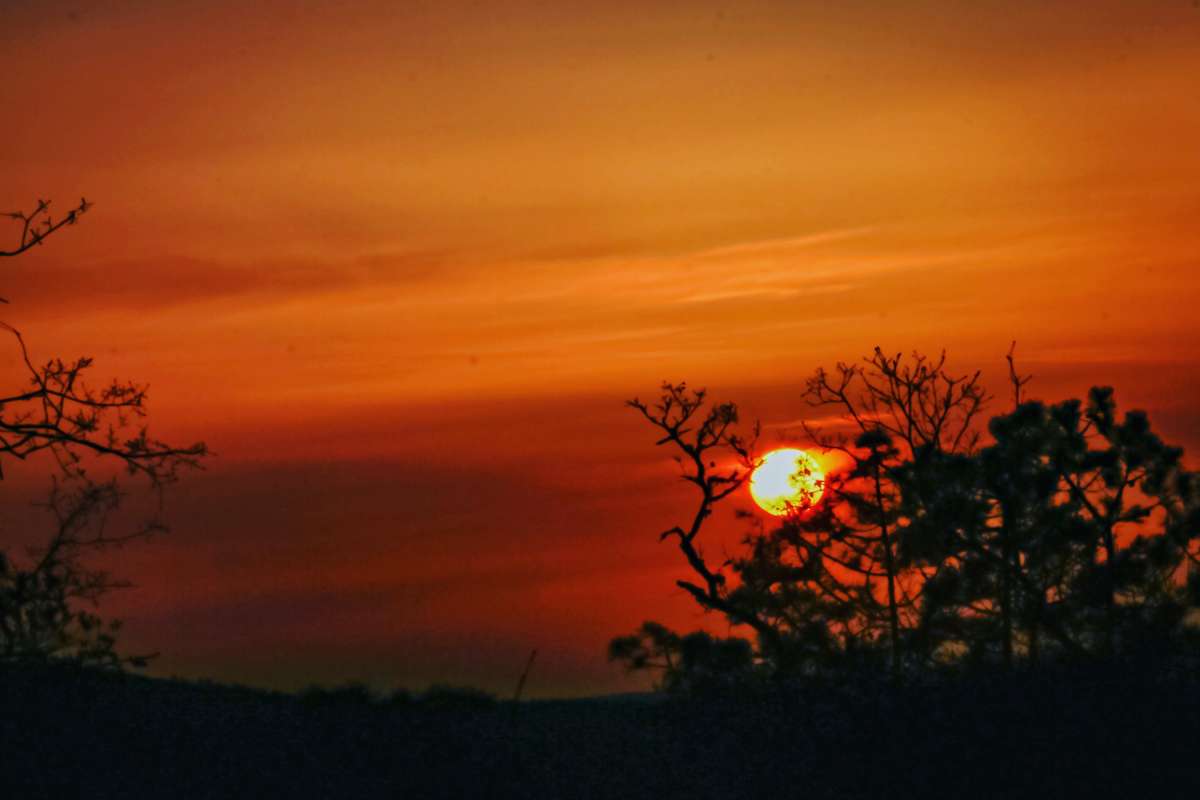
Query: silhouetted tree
x=1034, y=543
x=1065, y=533
x=61, y=414
x=717, y=461
x=992, y=521
x=827, y=582
x=1114, y=475
x=899, y=412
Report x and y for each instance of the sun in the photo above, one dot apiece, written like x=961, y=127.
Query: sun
x=787, y=481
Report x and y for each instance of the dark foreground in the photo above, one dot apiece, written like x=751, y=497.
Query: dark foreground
x=1111, y=732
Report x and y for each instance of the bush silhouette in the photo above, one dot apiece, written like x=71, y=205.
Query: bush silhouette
x=694, y=663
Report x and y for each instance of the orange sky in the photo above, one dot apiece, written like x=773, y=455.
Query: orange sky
x=400, y=264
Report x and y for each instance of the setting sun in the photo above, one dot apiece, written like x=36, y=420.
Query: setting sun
x=787, y=480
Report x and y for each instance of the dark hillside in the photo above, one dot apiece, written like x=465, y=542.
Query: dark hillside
x=1117, y=731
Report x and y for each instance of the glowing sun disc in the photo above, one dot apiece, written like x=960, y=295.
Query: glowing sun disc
x=787, y=481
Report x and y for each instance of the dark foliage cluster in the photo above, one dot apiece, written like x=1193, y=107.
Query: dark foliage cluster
x=44, y=605
x=1054, y=532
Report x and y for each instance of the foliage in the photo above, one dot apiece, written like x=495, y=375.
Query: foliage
x=695, y=663
x=40, y=614
x=1056, y=532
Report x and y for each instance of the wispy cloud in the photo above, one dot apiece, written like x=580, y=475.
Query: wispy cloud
x=779, y=292
x=784, y=245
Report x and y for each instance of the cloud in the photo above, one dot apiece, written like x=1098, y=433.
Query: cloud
x=784, y=245
x=50, y=285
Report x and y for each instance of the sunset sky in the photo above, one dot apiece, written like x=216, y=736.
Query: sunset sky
x=400, y=264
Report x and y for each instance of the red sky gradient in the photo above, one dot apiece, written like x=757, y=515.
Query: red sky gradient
x=400, y=265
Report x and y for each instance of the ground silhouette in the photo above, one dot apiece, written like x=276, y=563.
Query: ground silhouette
x=1117, y=730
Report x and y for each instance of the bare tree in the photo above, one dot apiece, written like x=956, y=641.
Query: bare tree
x=705, y=436
x=60, y=413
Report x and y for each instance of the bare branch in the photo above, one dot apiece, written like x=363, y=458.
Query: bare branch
x=38, y=225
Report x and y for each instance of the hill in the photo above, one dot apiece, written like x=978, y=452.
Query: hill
x=1126, y=730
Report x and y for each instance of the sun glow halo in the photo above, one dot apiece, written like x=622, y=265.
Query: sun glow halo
x=787, y=481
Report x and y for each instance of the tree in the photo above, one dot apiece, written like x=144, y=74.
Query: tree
x=826, y=584
x=1066, y=536
x=1114, y=474
x=61, y=414
x=1061, y=533
x=900, y=412
x=701, y=440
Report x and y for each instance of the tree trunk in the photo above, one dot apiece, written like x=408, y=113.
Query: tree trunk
x=1110, y=592
x=1006, y=590
x=1037, y=600
x=890, y=568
